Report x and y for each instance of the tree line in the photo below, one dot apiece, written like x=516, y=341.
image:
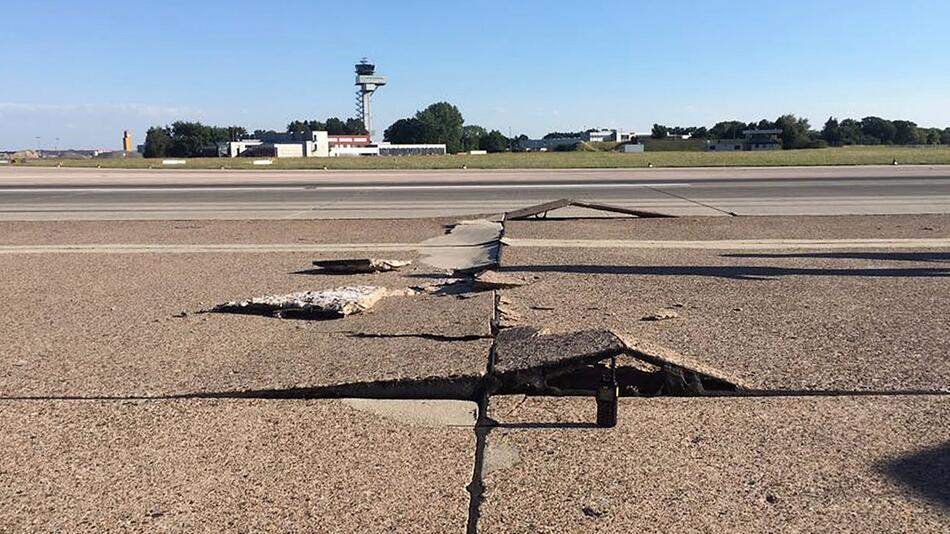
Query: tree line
x=440, y=123
x=333, y=126
x=798, y=133
x=188, y=139
x=443, y=123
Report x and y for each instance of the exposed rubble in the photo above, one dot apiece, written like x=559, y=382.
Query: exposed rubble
x=661, y=315
x=327, y=304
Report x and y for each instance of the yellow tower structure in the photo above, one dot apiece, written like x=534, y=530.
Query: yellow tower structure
x=127, y=141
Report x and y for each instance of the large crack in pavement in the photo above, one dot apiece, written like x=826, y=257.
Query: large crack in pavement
x=522, y=359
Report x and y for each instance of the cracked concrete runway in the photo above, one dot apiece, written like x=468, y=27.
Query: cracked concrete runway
x=851, y=333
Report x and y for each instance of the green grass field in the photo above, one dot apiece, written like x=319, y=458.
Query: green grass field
x=559, y=160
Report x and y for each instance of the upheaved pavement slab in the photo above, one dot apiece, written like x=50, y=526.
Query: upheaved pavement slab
x=720, y=228
x=870, y=320
x=126, y=325
x=868, y=464
x=227, y=466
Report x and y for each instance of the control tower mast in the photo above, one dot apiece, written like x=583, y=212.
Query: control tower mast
x=368, y=82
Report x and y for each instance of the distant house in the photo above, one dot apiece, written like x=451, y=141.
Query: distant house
x=752, y=140
x=593, y=136
x=279, y=145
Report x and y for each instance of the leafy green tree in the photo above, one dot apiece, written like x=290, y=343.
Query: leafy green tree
x=794, y=131
x=157, y=141
x=189, y=138
x=355, y=127
x=878, y=131
x=494, y=141
x=727, y=130
x=306, y=126
x=336, y=126
x=236, y=132
x=851, y=133
x=660, y=132
x=471, y=136
x=945, y=137
x=442, y=123
x=404, y=131
x=905, y=132
x=831, y=133
x=928, y=136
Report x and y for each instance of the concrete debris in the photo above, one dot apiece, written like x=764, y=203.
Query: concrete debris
x=487, y=280
x=363, y=265
x=327, y=304
x=508, y=317
x=661, y=315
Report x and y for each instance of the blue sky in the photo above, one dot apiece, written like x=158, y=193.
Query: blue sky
x=83, y=71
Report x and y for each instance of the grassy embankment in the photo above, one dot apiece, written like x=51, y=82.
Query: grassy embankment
x=559, y=160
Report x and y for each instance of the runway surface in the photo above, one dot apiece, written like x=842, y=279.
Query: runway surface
x=99, y=194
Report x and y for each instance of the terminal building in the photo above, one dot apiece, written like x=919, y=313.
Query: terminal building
x=593, y=136
x=320, y=145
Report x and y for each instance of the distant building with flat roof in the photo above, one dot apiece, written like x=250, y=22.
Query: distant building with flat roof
x=752, y=140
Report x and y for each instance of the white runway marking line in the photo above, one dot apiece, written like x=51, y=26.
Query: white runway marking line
x=418, y=187
x=739, y=244
x=198, y=249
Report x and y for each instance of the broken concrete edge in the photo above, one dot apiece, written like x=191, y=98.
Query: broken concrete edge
x=544, y=208
x=361, y=265
x=329, y=303
x=658, y=355
x=490, y=279
x=527, y=361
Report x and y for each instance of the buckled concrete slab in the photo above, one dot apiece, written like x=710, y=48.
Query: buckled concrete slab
x=523, y=355
x=467, y=246
x=541, y=210
x=866, y=464
x=867, y=320
x=234, y=465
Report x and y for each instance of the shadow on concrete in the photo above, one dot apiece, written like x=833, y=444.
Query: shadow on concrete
x=558, y=426
x=926, y=472
x=926, y=257
x=728, y=271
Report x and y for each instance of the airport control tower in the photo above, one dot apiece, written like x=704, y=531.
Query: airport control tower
x=368, y=82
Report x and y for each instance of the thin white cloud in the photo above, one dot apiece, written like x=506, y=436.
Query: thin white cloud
x=135, y=109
